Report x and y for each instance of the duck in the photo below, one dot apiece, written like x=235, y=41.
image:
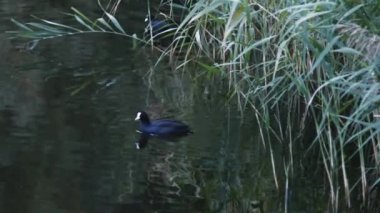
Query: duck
x=162, y=128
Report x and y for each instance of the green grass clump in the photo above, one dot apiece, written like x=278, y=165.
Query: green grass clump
x=303, y=68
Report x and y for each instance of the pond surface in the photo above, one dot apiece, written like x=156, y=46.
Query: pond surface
x=67, y=130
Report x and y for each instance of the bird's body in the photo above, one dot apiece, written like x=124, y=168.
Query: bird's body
x=159, y=30
x=164, y=128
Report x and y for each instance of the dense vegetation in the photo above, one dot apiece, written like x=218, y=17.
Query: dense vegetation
x=308, y=70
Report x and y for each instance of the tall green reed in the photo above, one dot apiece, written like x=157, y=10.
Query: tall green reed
x=296, y=66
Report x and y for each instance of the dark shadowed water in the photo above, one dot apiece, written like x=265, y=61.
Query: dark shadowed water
x=67, y=130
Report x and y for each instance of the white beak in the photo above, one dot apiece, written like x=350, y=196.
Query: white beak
x=138, y=116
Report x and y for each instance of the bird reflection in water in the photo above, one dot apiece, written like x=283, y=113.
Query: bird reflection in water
x=144, y=139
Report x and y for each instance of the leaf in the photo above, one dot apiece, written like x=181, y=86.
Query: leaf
x=60, y=25
x=200, y=10
x=254, y=45
x=84, y=17
x=45, y=27
x=211, y=70
x=115, y=22
x=347, y=50
x=102, y=21
x=198, y=39
x=22, y=26
x=322, y=55
x=351, y=11
x=236, y=15
x=310, y=15
x=81, y=21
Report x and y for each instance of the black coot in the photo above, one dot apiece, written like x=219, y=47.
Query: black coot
x=162, y=128
x=160, y=30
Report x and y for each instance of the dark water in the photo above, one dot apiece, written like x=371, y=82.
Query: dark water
x=67, y=130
